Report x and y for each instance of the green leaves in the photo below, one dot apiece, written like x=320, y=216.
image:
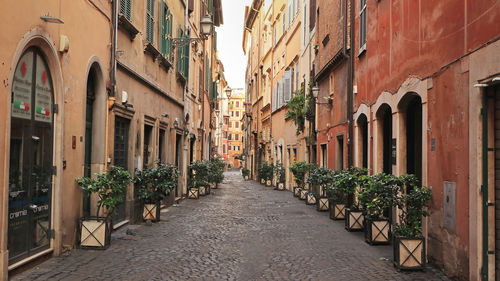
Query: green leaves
x=297, y=109
x=245, y=172
x=280, y=172
x=265, y=171
x=108, y=186
x=299, y=171
x=154, y=184
x=216, y=170
x=201, y=173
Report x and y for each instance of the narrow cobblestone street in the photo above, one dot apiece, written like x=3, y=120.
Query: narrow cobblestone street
x=242, y=231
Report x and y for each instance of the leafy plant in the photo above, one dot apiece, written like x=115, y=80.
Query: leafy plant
x=379, y=195
x=215, y=170
x=154, y=184
x=280, y=173
x=297, y=109
x=413, y=204
x=265, y=171
x=198, y=174
x=245, y=172
x=300, y=171
x=108, y=186
x=320, y=176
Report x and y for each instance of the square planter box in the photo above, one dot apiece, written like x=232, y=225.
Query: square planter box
x=377, y=232
x=94, y=233
x=208, y=189
x=269, y=183
x=214, y=186
x=151, y=212
x=246, y=178
x=202, y=190
x=354, y=220
x=337, y=211
x=303, y=194
x=193, y=193
x=296, y=192
x=281, y=186
x=409, y=253
x=323, y=204
x=262, y=181
x=311, y=199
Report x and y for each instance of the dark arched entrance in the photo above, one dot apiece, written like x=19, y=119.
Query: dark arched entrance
x=384, y=114
x=413, y=118
x=31, y=153
x=363, y=138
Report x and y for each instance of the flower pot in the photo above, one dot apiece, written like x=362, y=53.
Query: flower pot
x=303, y=194
x=323, y=204
x=208, y=188
x=409, y=253
x=202, y=190
x=246, y=178
x=281, y=186
x=377, y=231
x=151, y=212
x=354, y=220
x=311, y=199
x=296, y=192
x=337, y=211
x=262, y=181
x=214, y=186
x=94, y=233
x=269, y=183
x=193, y=193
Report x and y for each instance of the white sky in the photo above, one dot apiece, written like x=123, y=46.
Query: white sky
x=229, y=40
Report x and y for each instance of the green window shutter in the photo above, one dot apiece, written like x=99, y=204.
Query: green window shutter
x=186, y=59
x=169, y=35
x=150, y=11
x=180, y=51
x=126, y=8
x=163, y=29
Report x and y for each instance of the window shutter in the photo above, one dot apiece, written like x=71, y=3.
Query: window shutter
x=287, y=86
x=163, y=29
x=169, y=36
x=273, y=101
x=312, y=14
x=280, y=94
x=126, y=8
x=179, y=51
x=191, y=6
x=150, y=11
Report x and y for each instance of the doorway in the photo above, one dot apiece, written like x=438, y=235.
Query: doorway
x=363, y=138
x=31, y=163
x=414, y=137
x=121, y=160
x=384, y=115
x=89, y=113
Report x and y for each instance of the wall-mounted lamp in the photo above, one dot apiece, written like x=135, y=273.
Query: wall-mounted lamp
x=165, y=115
x=176, y=122
x=315, y=93
x=228, y=92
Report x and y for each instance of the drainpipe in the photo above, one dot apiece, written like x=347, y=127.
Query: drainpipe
x=350, y=85
x=484, y=187
x=112, y=76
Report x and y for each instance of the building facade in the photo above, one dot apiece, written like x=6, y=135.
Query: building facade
x=235, y=137
x=82, y=100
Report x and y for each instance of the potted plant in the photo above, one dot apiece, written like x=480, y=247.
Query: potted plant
x=95, y=232
x=216, y=172
x=245, y=173
x=378, y=197
x=269, y=171
x=197, y=182
x=280, y=174
x=312, y=198
x=354, y=217
x=320, y=177
x=153, y=185
x=261, y=173
x=409, y=243
x=300, y=171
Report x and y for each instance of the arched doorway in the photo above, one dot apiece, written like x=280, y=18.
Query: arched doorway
x=362, y=123
x=31, y=157
x=89, y=111
x=384, y=115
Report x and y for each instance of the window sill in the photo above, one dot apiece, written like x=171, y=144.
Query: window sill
x=152, y=50
x=181, y=77
x=127, y=26
x=164, y=62
x=362, y=50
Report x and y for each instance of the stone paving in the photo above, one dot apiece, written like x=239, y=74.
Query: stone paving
x=242, y=231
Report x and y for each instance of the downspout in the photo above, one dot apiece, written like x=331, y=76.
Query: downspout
x=112, y=76
x=350, y=85
x=484, y=186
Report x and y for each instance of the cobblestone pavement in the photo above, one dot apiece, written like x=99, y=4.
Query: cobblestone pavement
x=242, y=231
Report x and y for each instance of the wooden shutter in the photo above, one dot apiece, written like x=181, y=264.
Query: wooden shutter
x=168, y=34
x=150, y=11
x=280, y=94
x=312, y=14
x=273, y=99
x=126, y=8
x=287, y=81
x=190, y=6
x=163, y=28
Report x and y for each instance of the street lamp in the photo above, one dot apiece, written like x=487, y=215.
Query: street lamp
x=228, y=92
x=206, y=26
x=315, y=93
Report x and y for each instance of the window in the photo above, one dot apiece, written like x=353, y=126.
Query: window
x=183, y=56
x=304, y=30
x=237, y=113
x=237, y=104
x=290, y=12
x=340, y=153
x=230, y=124
x=236, y=136
x=224, y=148
x=362, y=25
x=126, y=9
x=225, y=134
x=166, y=33
x=312, y=14
x=284, y=24
x=274, y=37
x=150, y=23
x=226, y=120
x=228, y=148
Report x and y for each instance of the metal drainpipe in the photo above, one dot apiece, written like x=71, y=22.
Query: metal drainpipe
x=484, y=187
x=350, y=85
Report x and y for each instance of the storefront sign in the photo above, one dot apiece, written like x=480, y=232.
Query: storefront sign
x=21, y=87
